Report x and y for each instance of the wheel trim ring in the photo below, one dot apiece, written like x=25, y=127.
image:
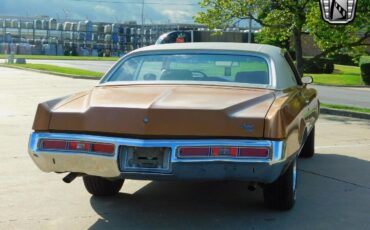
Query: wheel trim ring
x=294, y=178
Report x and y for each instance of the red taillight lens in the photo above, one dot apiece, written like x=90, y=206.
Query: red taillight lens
x=80, y=146
x=102, y=148
x=215, y=152
x=253, y=152
x=77, y=146
x=225, y=151
x=194, y=152
x=234, y=152
x=53, y=144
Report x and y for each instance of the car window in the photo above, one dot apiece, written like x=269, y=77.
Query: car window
x=127, y=71
x=246, y=69
x=150, y=70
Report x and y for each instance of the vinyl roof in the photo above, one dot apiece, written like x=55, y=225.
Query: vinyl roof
x=214, y=46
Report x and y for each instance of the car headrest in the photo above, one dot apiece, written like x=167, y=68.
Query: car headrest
x=252, y=77
x=150, y=77
x=176, y=75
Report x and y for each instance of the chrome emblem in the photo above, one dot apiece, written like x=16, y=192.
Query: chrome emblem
x=338, y=11
x=248, y=128
x=146, y=120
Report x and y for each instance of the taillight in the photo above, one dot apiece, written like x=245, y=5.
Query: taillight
x=81, y=146
x=236, y=152
x=77, y=146
x=253, y=152
x=225, y=151
x=53, y=144
x=194, y=152
x=102, y=148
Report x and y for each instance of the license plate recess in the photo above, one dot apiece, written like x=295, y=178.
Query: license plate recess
x=147, y=159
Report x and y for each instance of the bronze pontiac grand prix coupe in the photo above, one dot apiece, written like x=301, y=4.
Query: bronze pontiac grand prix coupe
x=193, y=111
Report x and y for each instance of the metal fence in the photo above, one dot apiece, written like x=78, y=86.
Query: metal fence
x=48, y=36
x=85, y=38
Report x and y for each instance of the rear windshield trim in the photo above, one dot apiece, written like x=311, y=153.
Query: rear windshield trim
x=267, y=59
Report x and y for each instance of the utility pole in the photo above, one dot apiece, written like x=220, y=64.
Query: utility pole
x=20, y=29
x=142, y=14
x=142, y=22
x=250, y=29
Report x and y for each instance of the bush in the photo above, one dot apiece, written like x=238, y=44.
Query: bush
x=343, y=59
x=329, y=66
x=322, y=65
x=365, y=69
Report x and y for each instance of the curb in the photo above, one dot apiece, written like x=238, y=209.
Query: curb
x=345, y=113
x=343, y=86
x=52, y=73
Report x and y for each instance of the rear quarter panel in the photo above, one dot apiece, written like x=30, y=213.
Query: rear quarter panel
x=291, y=117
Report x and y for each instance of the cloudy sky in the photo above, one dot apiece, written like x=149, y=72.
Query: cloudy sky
x=155, y=11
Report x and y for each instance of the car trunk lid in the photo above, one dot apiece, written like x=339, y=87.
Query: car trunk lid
x=172, y=111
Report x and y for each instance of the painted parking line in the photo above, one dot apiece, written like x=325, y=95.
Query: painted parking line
x=342, y=146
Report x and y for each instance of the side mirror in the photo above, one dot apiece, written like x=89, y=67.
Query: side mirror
x=307, y=80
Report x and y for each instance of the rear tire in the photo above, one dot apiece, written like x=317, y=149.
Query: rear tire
x=99, y=186
x=281, y=194
x=308, y=149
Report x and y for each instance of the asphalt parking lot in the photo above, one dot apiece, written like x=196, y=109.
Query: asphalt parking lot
x=334, y=186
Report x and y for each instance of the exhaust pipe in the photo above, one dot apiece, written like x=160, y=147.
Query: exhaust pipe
x=70, y=177
x=252, y=187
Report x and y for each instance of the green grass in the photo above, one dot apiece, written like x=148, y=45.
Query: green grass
x=46, y=57
x=365, y=59
x=342, y=75
x=58, y=69
x=347, y=108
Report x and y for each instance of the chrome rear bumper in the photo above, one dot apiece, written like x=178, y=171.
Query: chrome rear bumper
x=264, y=170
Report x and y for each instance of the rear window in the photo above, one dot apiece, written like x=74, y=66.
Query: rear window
x=221, y=68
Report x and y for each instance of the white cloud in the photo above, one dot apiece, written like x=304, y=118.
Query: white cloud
x=102, y=9
x=177, y=15
x=173, y=11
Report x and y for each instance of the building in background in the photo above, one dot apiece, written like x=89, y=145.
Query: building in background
x=48, y=36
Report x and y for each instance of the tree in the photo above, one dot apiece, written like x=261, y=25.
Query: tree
x=285, y=19
x=352, y=38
